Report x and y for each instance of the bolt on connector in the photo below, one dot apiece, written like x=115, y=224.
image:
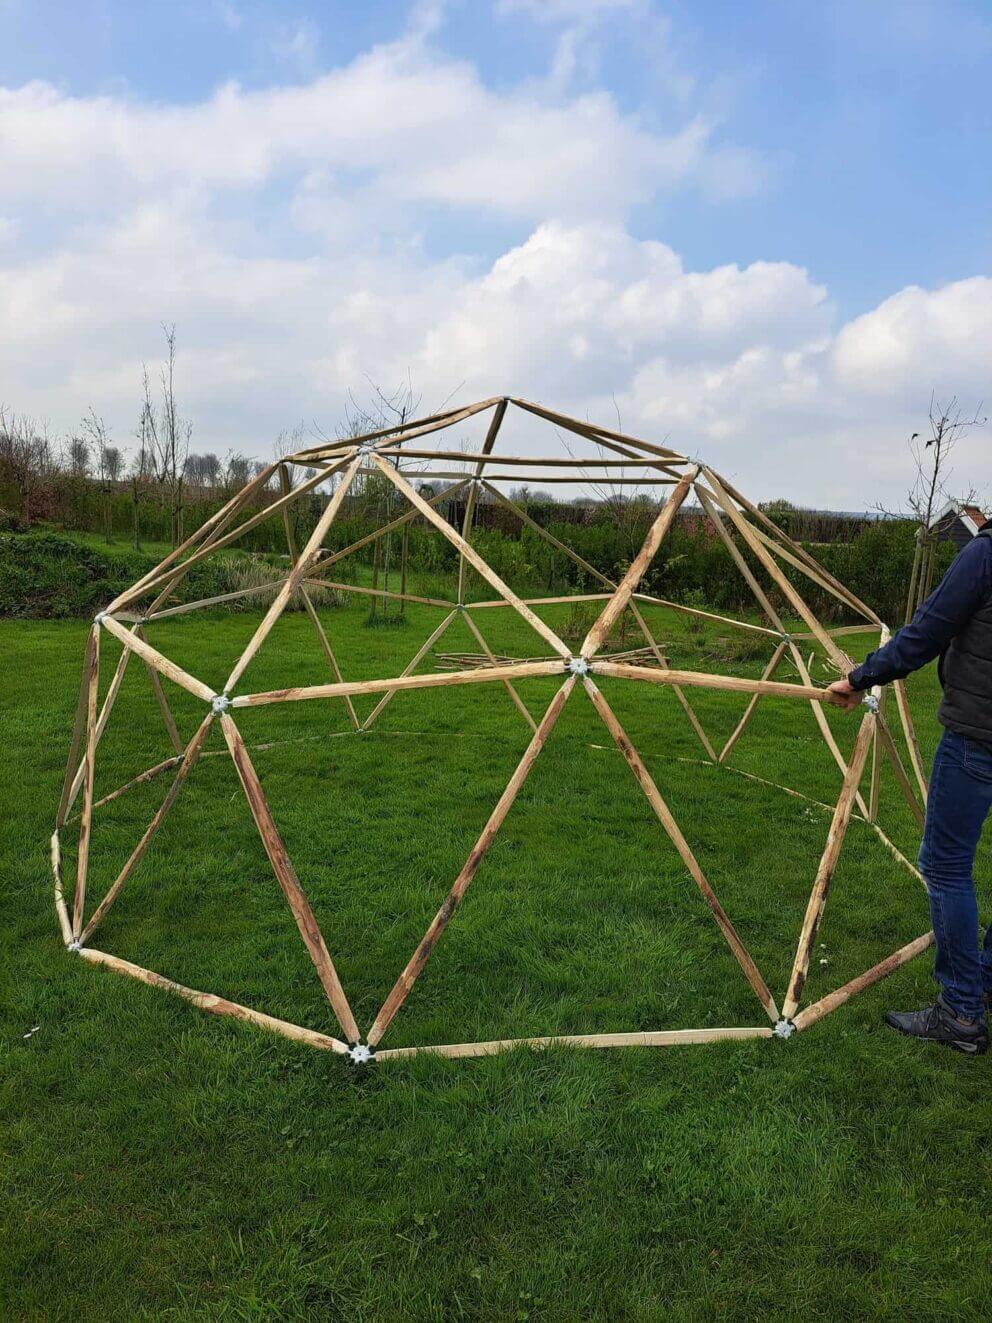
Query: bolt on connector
x=784, y=1029
x=219, y=703
x=577, y=666
x=360, y=1053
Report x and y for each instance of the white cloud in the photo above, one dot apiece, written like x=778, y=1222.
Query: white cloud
x=423, y=126
x=948, y=332
x=281, y=231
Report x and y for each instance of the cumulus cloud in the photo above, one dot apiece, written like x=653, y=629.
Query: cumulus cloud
x=283, y=231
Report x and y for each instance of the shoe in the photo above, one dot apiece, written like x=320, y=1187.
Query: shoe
x=936, y=1024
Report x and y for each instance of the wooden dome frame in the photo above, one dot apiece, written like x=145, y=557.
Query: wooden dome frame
x=378, y=452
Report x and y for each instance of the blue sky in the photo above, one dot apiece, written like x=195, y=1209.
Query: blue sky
x=835, y=155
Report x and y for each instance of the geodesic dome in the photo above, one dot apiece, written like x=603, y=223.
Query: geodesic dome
x=758, y=550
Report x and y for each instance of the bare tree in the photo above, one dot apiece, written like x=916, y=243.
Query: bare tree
x=143, y=469
x=379, y=495
x=96, y=438
x=169, y=436
x=948, y=423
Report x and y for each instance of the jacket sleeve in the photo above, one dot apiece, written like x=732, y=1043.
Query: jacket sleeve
x=965, y=587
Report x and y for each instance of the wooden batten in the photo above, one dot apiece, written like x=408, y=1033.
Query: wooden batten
x=883, y=969
x=667, y=820
x=737, y=684
x=418, y=960
x=86, y=819
x=408, y=670
x=206, y=1001
x=738, y=730
x=828, y=863
x=614, y=608
x=288, y=881
x=475, y=560
x=642, y=1038
x=185, y=767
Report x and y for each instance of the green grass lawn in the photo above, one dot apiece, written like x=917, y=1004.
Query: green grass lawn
x=160, y=1162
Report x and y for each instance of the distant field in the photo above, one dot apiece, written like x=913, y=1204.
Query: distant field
x=161, y=1162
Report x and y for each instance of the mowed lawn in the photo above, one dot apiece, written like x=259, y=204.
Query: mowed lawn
x=160, y=1162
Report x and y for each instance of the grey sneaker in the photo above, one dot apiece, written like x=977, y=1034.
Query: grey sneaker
x=936, y=1024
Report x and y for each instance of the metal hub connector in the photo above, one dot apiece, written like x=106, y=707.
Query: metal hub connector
x=784, y=1029
x=577, y=666
x=870, y=702
x=360, y=1053
x=219, y=704
x=99, y=618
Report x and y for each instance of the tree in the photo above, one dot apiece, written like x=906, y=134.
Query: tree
x=96, y=439
x=169, y=436
x=27, y=461
x=947, y=424
x=79, y=456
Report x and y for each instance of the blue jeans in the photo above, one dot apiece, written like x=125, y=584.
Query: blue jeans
x=959, y=801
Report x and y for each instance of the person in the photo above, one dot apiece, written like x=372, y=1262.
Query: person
x=955, y=625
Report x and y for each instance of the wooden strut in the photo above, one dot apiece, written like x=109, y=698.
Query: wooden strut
x=600, y=629
x=664, y=815
x=189, y=758
x=876, y=755
x=770, y=526
x=268, y=512
x=475, y=560
x=738, y=684
x=303, y=563
x=764, y=602
x=811, y=1014
x=483, y=458
x=287, y=879
x=206, y=1001
x=902, y=779
x=607, y=582
x=326, y=562
x=642, y=1038
x=773, y=571
x=196, y=536
x=738, y=730
x=105, y=711
x=598, y=434
x=407, y=672
x=402, y=432
x=828, y=863
x=416, y=963
x=515, y=698
x=909, y=733
x=79, y=725
x=86, y=820
x=294, y=553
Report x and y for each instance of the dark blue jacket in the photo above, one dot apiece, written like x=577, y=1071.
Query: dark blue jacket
x=954, y=619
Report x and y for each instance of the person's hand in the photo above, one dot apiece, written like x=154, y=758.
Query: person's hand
x=843, y=695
